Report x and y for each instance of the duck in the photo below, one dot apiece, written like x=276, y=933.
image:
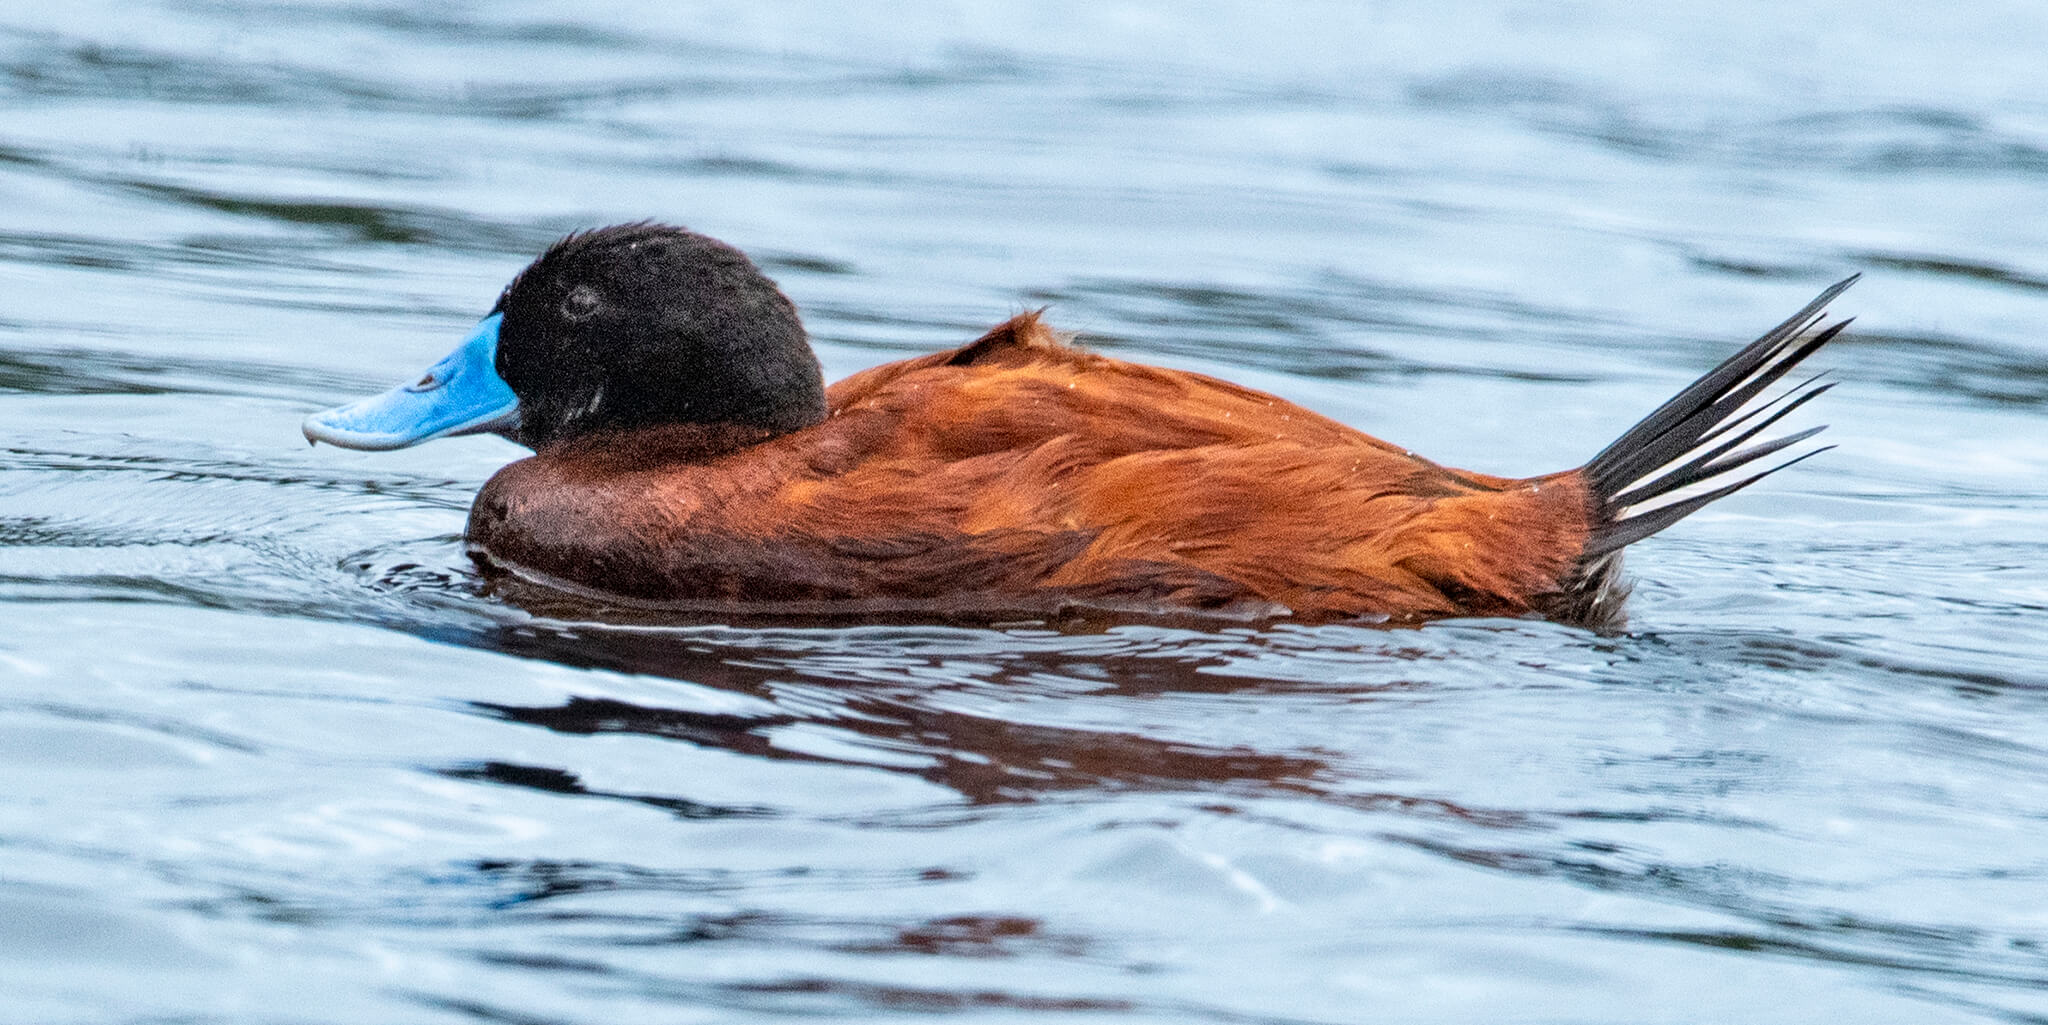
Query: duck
x=688, y=457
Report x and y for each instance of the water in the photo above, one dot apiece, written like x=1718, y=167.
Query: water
x=268, y=752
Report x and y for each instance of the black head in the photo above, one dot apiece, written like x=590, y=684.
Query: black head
x=642, y=324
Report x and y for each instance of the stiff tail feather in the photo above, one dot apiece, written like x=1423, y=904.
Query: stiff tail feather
x=1698, y=447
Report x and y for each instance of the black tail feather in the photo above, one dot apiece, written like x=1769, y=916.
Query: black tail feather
x=1719, y=381
x=1710, y=465
x=1694, y=441
x=1680, y=425
x=1634, y=528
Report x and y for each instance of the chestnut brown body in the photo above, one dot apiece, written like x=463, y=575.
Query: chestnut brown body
x=1021, y=475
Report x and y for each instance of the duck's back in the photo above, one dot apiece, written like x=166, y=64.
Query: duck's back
x=1020, y=475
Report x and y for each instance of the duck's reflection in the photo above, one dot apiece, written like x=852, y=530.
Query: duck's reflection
x=885, y=704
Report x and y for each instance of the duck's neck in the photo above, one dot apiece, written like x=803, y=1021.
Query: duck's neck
x=640, y=448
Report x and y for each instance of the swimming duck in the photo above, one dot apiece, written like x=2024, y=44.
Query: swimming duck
x=689, y=456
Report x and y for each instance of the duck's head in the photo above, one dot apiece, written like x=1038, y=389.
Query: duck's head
x=622, y=327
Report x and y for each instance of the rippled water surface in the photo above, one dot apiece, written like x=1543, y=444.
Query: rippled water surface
x=270, y=752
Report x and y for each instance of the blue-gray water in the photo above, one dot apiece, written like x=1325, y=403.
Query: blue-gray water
x=268, y=754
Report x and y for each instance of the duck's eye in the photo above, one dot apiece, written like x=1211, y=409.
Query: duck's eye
x=581, y=303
